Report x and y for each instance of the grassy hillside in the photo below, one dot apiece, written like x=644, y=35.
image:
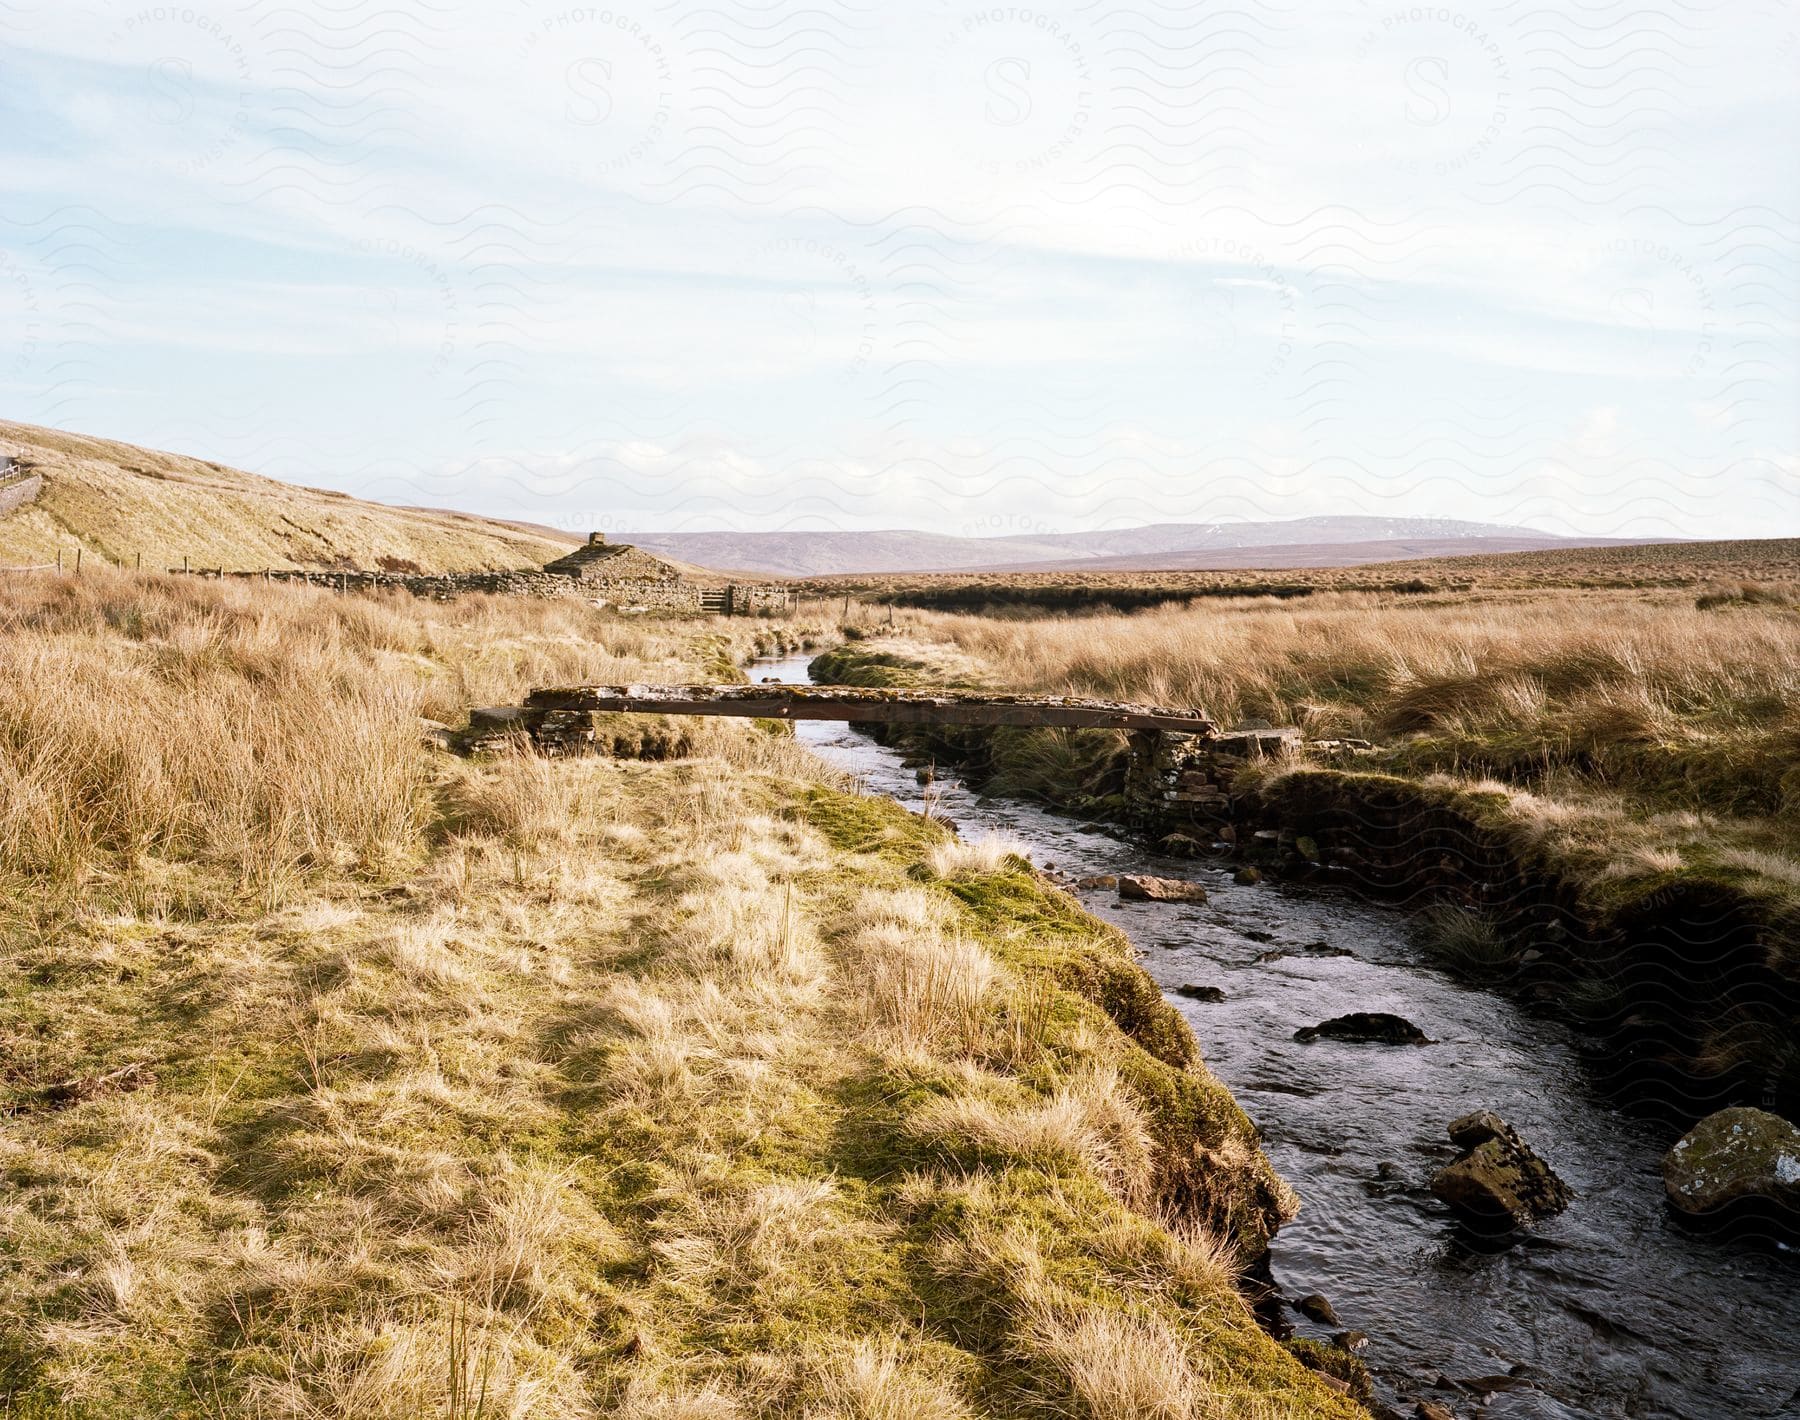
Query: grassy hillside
x=344, y=1080
x=115, y=501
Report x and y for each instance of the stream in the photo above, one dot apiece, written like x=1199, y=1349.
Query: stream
x=1608, y=1310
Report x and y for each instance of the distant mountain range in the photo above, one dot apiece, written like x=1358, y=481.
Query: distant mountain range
x=1329, y=541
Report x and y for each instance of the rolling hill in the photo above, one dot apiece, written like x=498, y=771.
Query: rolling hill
x=116, y=501
x=1298, y=542
x=1287, y=556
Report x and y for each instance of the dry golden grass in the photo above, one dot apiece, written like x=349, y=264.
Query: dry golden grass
x=1610, y=666
x=1124, y=1367
x=271, y=729
x=1628, y=692
x=525, y=1089
x=986, y=854
x=1090, y=1120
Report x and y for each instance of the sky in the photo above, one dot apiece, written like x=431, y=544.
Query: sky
x=979, y=269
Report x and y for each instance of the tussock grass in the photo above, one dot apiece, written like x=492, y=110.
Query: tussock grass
x=1627, y=737
x=271, y=729
x=1463, y=939
x=1629, y=690
x=924, y=993
x=975, y=856
x=1092, y=1120
x=878, y=1380
x=1123, y=1367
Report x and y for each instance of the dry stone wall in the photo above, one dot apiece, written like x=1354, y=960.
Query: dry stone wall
x=19, y=492
x=663, y=595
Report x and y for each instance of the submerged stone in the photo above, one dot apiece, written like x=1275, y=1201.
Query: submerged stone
x=1200, y=993
x=1734, y=1157
x=1373, y=1027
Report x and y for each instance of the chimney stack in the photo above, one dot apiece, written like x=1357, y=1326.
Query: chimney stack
x=596, y=539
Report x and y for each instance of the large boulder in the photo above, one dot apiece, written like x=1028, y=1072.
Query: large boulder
x=1138, y=888
x=1376, y=1027
x=1735, y=1156
x=1499, y=1180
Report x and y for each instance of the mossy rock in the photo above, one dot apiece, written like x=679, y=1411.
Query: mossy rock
x=1337, y=1363
x=1733, y=1158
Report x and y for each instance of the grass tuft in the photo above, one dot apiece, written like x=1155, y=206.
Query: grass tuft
x=1462, y=939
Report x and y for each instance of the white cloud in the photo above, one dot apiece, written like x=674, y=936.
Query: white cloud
x=899, y=264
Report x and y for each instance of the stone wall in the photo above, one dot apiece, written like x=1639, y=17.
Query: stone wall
x=1187, y=784
x=19, y=492
x=445, y=586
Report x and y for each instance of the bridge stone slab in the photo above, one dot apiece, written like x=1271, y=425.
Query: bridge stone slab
x=807, y=702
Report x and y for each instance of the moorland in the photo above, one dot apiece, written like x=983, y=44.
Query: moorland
x=342, y=1076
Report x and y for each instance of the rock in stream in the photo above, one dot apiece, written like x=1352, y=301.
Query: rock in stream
x=1734, y=1157
x=1142, y=888
x=1375, y=1027
x=1500, y=1178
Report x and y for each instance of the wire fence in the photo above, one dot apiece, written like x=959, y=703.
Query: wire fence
x=92, y=559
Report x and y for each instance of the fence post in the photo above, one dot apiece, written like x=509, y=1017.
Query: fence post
x=184, y=564
x=78, y=562
x=59, y=561
x=140, y=560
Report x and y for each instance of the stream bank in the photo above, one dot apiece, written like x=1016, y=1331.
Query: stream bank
x=1687, y=982
x=1609, y=1310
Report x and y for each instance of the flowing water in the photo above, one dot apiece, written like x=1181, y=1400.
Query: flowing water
x=1607, y=1310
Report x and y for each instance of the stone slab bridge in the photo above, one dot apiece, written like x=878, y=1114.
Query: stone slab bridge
x=832, y=702
x=1180, y=764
